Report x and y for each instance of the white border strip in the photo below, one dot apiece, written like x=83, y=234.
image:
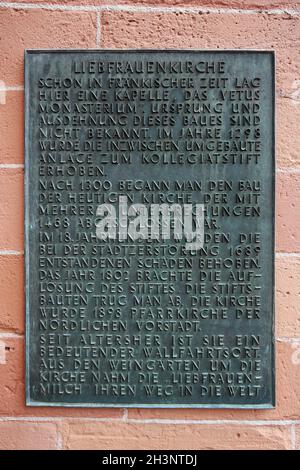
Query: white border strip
x=98, y=29
x=4, y=335
x=284, y=339
x=205, y=422
x=282, y=254
x=10, y=166
x=214, y=422
x=148, y=9
x=11, y=88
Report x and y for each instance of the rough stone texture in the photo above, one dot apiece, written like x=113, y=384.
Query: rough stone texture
x=210, y=31
x=202, y=30
x=40, y=29
x=287, y=297
x=12, y=127
x=287, y=212
x=11, y=209
x=12, y=293
x=25, y=435
x=12, y=389
x=287, y=124
x=141, y=436
x=288, y=379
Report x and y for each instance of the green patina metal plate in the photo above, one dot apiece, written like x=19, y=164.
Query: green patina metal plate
x=132, y=321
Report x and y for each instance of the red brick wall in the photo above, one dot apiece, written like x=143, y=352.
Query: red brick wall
x=265, y=24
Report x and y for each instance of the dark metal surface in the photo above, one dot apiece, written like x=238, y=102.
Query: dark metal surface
x=178, y=349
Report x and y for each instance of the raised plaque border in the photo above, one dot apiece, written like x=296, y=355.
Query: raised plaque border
x=34, y=403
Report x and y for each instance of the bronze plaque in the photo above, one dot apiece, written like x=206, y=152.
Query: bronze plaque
x=149, y=228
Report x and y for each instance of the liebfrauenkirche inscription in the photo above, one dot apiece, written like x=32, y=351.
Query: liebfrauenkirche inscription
x=149, y=228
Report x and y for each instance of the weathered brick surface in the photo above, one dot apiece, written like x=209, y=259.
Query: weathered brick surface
x=287, y=297
x=11, y=209
x=12, y=389
x=25, y=435
x=12, y=127
x=202, y=30
x=287, y=124
x=211, y=31
x=287, y=212
x=12, y=293
x=141, y=436
x=40, y=29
